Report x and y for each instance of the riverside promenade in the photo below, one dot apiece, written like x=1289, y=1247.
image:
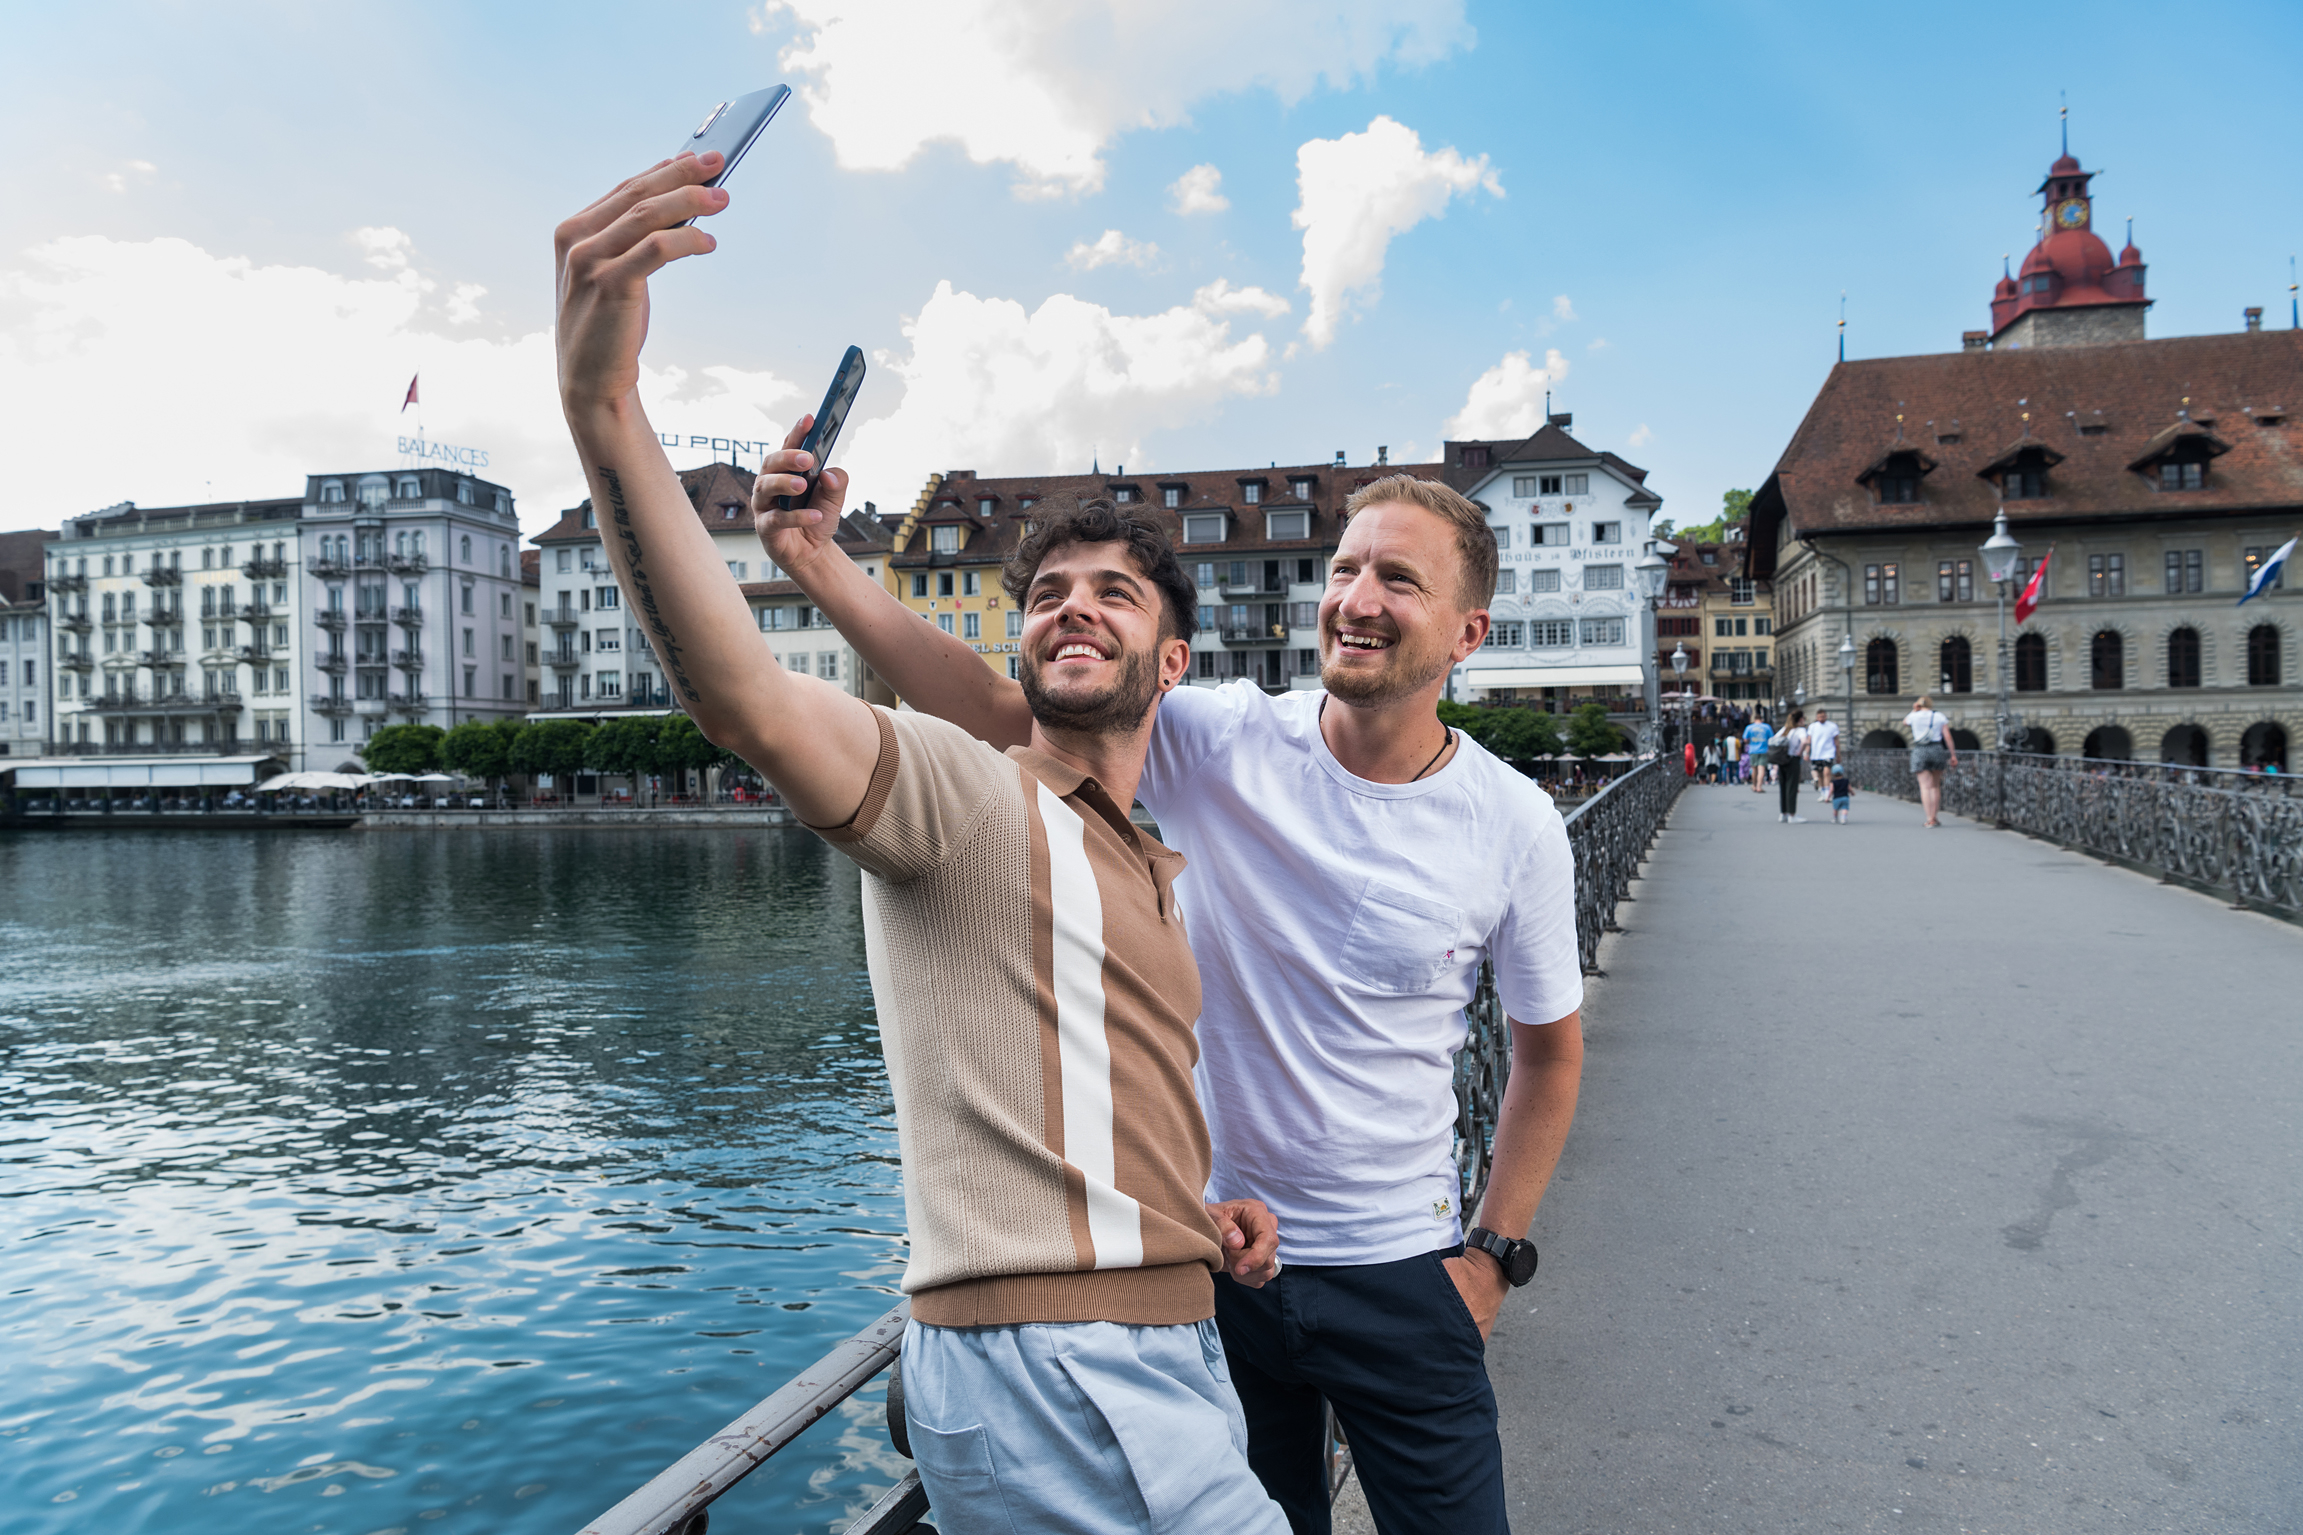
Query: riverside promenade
x=1922, y=1180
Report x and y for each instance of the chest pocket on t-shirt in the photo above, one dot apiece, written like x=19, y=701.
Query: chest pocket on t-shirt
x=1399, y=942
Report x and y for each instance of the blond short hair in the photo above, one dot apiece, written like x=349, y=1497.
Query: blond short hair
x=1923, y=702
x=1474, y=539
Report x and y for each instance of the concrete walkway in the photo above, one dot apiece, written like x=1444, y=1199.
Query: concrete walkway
x=1923, y=1180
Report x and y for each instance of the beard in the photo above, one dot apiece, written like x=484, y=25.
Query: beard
x=1404, y=672
x=1118, y=709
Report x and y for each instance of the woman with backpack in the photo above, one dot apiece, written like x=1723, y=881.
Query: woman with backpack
x=1787, y=754
x=1932, y=752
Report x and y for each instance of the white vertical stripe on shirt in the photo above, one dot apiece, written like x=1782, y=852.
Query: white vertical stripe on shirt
x=1115, y=1223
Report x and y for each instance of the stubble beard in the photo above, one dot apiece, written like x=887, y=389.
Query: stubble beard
x=1118, y=710
x=1404, y=674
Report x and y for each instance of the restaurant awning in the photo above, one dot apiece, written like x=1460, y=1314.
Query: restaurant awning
x=1554, y=676
x=131, y=772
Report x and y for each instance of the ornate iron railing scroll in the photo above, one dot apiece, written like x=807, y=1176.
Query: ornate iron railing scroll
x=2237, y=835
x=1608, y=836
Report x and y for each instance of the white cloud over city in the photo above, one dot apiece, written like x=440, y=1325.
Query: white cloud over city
x=1507, y=400
x=1112, y=249
x=159, y=372
x=993, y=386
x=1359, y=192
x=1044, y=86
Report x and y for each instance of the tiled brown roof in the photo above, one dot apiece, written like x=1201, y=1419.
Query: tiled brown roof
x=709, y=488
x=1965, y=410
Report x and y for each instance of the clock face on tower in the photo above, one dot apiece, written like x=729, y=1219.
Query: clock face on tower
x=2071, y=214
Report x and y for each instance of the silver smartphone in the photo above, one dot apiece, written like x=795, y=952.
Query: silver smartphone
x=830, y=417
x=731, y=126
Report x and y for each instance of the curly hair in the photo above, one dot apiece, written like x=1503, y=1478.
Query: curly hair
x=1061, y=521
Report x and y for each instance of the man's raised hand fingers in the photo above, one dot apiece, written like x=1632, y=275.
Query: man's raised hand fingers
x=663, y=176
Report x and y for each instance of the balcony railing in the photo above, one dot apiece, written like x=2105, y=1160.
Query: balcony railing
x=561, y=618
x=165, y=618
x=563, y=660
x=406, y=564
x=331, y=704
x=78, y=623
x=330, y=619
x=254, y=655
x=62, y=583
x=408, y=660
x=332, y=662
x=76, y=661
x=370, y=616
x=328, y=568
x=408, y=618
x=264, y=568
x=1254, y=584
x=163, y=575
x=161, y=660
x=1255, y=634
x=408, y=703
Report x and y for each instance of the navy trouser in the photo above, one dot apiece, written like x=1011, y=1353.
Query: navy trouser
x=1393, y=1346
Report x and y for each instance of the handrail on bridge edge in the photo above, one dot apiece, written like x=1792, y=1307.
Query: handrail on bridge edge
x=1608, y=835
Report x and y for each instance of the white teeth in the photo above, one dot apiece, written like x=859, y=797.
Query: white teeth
x=1068, y=651
x=1362, y=642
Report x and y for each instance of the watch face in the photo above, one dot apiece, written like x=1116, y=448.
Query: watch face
x=2072, y=214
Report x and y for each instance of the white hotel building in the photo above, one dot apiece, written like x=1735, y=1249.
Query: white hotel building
x=1569, y=623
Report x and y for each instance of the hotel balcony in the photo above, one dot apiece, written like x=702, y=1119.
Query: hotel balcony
x=161, y=660
x=331, y=705
x=78, y=623
x=563, y=660
x=76, y=661
x=1254, y=634
x=1253, y=583
x=332, y=662
x=254, y=655
x=370, y=616
x=408, y=660
x=163, y=575
x=408, y=618
x=264, y=568
x=406, y=564
x=409, y=703
x=62, y=583
x=168, y=618
x=561, y=618
x=330, y=619
x=328, y=569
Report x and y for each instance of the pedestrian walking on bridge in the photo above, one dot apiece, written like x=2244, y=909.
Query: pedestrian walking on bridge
x=1932, y=753
x=1788, y=754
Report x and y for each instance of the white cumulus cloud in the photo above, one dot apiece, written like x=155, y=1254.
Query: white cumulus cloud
x=1641, y=437
x=1355, y=193
x=1198, y=190
x=1562, y=310
x=159, y=372
x=990, y=385
x=1507, y=400
x=1220, y=297
x=1111, y=249
x=1045, y=85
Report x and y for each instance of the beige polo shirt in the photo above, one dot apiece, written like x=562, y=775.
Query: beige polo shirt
x=1036, y=1000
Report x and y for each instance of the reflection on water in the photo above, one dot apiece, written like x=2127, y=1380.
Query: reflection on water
x=428, y=1181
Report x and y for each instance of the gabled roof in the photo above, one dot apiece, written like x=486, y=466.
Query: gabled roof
x=708, y=488
x=2136, y=391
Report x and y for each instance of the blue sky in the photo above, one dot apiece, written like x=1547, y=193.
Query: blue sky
x=237, y=231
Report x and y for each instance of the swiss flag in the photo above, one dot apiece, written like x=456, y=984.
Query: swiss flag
x=2028, y=603
x=411, y=399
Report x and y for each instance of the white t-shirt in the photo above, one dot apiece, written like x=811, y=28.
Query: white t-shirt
x=1795, y=741
x=1823, y=740
x=1339, y=927
x=1925, y=725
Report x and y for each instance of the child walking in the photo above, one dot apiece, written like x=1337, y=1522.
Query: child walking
x=1839, y=794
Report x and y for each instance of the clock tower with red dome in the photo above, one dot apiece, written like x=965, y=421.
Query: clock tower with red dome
x=2069, y=292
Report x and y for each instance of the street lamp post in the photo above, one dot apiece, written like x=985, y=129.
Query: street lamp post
x=1999, y=555
x=1847, y=665
x=1651, y=570
x=1679, y=690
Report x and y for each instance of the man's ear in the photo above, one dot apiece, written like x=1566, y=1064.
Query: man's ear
x=1473, y=634
x=1174, y=662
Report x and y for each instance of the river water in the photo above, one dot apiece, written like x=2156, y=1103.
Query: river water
x=429, y=1181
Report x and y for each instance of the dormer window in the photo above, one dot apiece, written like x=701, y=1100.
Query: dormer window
x=729, y=510
x=1475, y=456
x=409, y=489
x=945, y=540
x=1251, y=492
x=1894, y=480
x=1281, y=526
x=1171, y=496
x=985, y=504
x=332, y=494
x=2177, y=458
x=464, y=493
x=1302, y=489
x=1123, y=494
x=2189, y=474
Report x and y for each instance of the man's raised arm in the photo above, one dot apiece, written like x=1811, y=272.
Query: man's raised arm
x=936, y=673
x=816, y=744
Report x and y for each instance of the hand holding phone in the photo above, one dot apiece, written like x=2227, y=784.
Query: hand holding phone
x=830, y=417
x=730, y=128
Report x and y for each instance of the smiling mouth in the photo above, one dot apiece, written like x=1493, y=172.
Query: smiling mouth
x=1077, y=650
x=1364, y=644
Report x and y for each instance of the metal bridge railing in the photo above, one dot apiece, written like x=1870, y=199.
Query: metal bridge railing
x=2237, y=835
x=1609, y=835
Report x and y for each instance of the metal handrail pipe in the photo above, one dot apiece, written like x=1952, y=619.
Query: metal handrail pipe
x=691, y=1483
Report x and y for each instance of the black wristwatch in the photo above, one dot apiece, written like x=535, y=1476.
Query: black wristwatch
x=1517, y=1258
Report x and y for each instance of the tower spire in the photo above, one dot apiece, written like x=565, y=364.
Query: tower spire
x=2294, y=313
x=2064, y=112
x=1843, y=325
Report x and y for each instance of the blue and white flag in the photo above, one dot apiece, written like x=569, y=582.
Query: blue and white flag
x=2268, y=571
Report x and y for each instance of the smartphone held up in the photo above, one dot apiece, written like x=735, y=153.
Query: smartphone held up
x=830, y=417
x=730, y=128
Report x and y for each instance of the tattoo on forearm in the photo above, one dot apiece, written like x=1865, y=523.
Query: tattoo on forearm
x=667, y=647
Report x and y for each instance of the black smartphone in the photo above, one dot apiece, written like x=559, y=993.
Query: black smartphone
x=830, y=417
x=731, y=126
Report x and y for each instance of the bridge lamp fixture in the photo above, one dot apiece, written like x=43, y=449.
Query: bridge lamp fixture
x=1678, y=661
x=1999, y=551
x=1650, y=570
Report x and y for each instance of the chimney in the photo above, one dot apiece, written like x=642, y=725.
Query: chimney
x=1339, y=458
x=1563, y=420
x=1383, y=454
x=2254, y=314
x=1975, y=341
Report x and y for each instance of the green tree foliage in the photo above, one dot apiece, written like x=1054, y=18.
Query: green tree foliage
x=1735, y=507
x=1511, y=732
x=478, y=749
x=404, y=749
x=625, y=746
x=680, y=746
x=1589, y=734
x=549, y=746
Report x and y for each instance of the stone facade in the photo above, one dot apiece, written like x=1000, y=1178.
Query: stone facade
x=2074, y=327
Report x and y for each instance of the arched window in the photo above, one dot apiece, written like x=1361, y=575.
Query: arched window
x=2263, y=656
x=409, y=488
x=1879, y=668
x=464, y=550
x=2184, y=746
x=2264, y=746
x=2108, y=660
x=2108, y=743
x=332, y=493
x=2183, y=659
x=1958, y=666
x=2030, y=663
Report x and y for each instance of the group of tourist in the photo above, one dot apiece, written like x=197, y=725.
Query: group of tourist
x=1760, y=755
